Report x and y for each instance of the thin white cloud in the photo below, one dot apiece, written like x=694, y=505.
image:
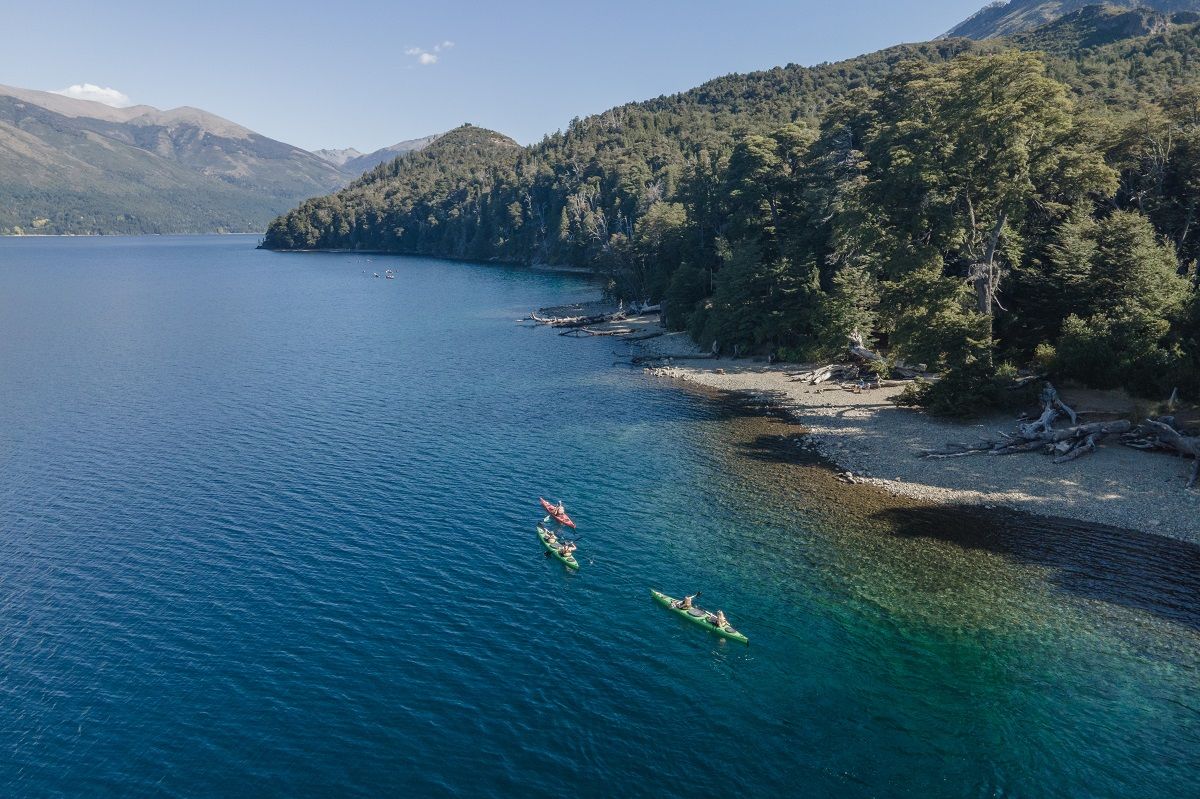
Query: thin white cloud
x=428, y=57
x=97, y=94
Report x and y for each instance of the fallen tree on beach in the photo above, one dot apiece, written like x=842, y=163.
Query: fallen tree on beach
x=577, y=321
x=584, y=332
x=1162, y=434
x=863, y=368
x=1066, y=444
x=834, y=371
x=1069, y=443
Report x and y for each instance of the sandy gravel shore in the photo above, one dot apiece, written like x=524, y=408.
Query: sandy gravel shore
x=881, y=444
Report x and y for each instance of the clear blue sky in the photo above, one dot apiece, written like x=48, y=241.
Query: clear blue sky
x=339, y=74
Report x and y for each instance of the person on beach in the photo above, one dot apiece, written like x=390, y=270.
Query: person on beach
x=685, y=603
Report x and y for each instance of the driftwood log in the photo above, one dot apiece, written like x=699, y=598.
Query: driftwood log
x=645, y=336
x=1069, y=443
x=859, y=348
x=857, y=374
x=901, y=372
x=1066, y=444
x=577, y=321
x=833, y=371
x=583, y=332
x=1170, y=438
x=1052, y=408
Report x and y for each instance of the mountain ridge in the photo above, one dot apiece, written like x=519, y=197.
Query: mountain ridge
x=77, y=166
x=337, y=157
x=355, y=162
x=1009, y=17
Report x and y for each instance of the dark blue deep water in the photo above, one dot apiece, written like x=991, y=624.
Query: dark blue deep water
x=266, y=529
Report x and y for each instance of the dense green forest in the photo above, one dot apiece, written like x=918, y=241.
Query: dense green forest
x=978, y=207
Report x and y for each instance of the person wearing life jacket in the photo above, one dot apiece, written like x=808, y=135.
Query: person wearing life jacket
x=685, y=603
x=567, y=548
x=719, y=620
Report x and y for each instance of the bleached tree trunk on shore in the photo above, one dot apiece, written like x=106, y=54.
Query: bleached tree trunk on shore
x=1184, y=445
x=858, y=347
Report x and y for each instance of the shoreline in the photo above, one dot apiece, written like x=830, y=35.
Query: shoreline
x=880, y=444
x=533, y=267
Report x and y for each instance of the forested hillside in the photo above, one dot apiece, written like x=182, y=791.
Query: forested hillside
x=563, y=199
x=976, y=207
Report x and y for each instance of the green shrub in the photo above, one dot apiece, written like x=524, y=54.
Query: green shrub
x=792, y=354
x=1129, y=350
x=1045, y=356
x=880, y=369
x=914, y=395
x=968, y=391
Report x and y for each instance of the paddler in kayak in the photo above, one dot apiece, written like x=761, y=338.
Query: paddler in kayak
x=718, y=619
x=567, y=548
x=686, y=602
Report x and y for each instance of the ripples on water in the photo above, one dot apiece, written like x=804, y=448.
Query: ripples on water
x=266, y=529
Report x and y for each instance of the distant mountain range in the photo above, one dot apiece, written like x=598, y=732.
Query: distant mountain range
x=1008, y=17
x=352, y=161
x=75, y=166
x=338, y=157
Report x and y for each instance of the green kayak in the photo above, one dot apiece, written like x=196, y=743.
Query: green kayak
x=544, y=534
x=699, y=617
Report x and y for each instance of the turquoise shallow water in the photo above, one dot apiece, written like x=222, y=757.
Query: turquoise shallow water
x=266, y=528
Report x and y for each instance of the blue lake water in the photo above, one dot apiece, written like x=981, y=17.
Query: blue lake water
x=266, y=529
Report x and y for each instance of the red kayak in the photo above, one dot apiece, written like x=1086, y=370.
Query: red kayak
x=559, y=517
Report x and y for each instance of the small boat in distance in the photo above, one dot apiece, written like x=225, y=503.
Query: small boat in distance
x=389, y=274
x=376, y=274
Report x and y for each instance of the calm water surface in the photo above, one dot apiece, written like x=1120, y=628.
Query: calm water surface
x=266, y=528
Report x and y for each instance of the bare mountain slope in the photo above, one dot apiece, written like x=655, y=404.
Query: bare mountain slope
x=1008, y=17
x=76, y=166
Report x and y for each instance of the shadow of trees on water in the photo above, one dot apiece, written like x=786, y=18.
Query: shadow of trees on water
x=1152, y=573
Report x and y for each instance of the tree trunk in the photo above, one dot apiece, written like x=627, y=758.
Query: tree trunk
x=984, y=274
x=858, y=347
